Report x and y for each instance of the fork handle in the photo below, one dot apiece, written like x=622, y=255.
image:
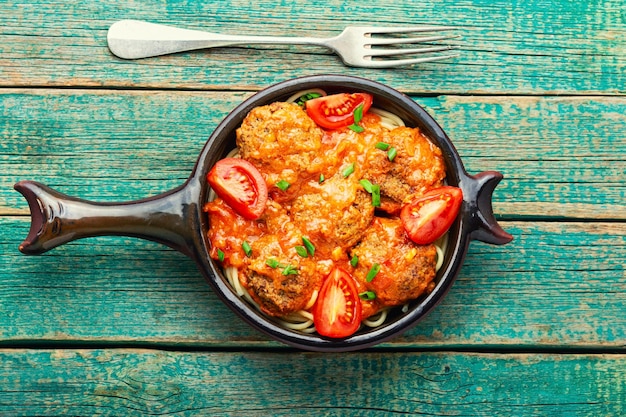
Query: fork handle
x=133, y=39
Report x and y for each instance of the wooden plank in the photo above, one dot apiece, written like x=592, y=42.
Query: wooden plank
x=556, y=47
x=147, y=382
x=104, y=143
x=557, y=284
x=562, y=157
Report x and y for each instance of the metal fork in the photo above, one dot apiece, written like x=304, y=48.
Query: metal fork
x=358, y=46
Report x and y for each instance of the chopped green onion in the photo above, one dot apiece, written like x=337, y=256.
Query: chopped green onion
x=373, y=189
x=322, y=178
x=283, y=185
x=273, y=263
x=354, y=261
x=391, y=153
x=372, y=273
x=220, y=255
x=376, y=195
x=382, y=146
x=308, y=245
x=302, y=251
x=368, y=186
x=358, y=115
x=348, y=170
x=290, y=270
x=367, y=295
x=309, y=96
x=246, y=248
x=356, y=128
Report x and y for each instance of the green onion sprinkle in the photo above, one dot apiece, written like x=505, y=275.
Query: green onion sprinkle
x=372, y=273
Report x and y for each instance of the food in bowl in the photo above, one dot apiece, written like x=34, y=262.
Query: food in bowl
x=330, y=212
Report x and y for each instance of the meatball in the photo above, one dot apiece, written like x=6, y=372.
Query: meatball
x=339, y=213
x=418, y=166
x=277, y=294
x=279, y=280
x=281, y=140
x=406, y=270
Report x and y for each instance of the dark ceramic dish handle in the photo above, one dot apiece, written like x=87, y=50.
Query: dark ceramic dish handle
x=57, y=218
x=479, y=219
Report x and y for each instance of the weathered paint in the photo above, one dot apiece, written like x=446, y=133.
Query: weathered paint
x=538, y=92
x=127, y=145
x=118, y=382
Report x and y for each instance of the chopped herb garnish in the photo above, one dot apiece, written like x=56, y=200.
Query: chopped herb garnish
x=290, y=270
x=372, y=273
x=391, y=153
x=382, y=146
x=246, y=248
x=309, y=96
x=308, y=245
x=283, y=185
x=220, y=255
x=368, y=186
x=348, y=170
x=322, y=178
x=358, y=115
x=373, y=189
x=273, y=263
x=287, y=270
x=302, y=251
x=367, y=295
x=376, y=195
x=356, y=128
x=354, y=261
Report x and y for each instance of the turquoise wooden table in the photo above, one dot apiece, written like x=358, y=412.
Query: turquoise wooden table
x=119, y=326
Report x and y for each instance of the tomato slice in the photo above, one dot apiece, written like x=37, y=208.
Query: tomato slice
x=337, y=110
x=240, y=185
x=337, y=312
x=428, y=217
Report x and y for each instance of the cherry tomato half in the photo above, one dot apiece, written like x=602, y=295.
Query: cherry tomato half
x=428, y=217
x=337, y=110
x=337, y=312
x=240, y=185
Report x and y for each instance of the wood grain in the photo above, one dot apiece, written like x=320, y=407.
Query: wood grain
x=556, y=285
x=116, y=326
x=110, y=145
x=506, y=47
x=158, y=383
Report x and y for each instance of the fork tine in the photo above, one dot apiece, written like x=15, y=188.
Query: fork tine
x=376, y=41
x=390, y=63
x=393, y=41
x=403, y=29
x=408, y=51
